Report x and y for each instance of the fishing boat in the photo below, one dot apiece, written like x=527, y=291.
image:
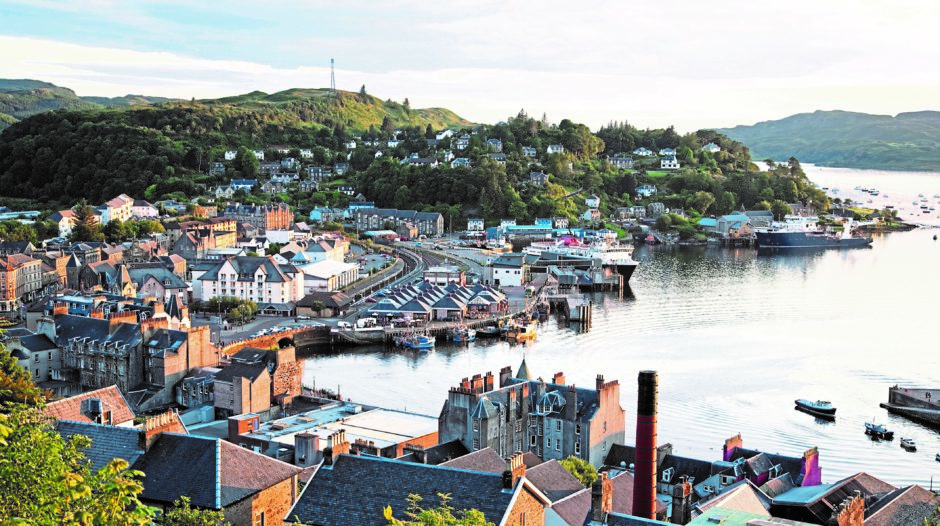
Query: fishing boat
x=491, y=331
x=521, y=331
x=420, y=342
x=878, y=431
x=464, y=335
x=819, y=408
x=908, y=444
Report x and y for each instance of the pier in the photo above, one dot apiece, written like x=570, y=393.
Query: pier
x=919, y=405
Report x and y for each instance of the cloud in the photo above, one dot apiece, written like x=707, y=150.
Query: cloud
x=649, y=92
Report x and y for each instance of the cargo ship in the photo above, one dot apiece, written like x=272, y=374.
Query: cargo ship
x=793, y=236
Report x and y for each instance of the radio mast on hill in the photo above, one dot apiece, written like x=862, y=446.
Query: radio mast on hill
x=332, y=79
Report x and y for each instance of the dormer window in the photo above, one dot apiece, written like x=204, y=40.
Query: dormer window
x=667, y=475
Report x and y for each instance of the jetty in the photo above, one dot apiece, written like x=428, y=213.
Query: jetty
x=919, y=405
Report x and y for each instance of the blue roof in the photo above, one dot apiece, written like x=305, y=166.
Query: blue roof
x=803, y=495
x=736, y=217
x=707, y=221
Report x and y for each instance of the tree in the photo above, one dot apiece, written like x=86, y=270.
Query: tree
x=16, y=384
x=363, y=96
x=443, y=515
x=182, y=514
x=726, y=203
x=780, y=209
x=247, y=163
x=45, y=479
x=702, y=200
x=388, y=127
x=86, y=227
x=663, y=223
x=407, y=105
x=116, y=231
x=581, y=469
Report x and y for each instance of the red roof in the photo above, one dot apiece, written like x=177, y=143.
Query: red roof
x=111, y=400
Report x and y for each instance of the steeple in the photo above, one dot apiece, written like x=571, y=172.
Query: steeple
x=523, y=373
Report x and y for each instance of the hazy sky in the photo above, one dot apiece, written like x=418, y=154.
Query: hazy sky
x=689, y=63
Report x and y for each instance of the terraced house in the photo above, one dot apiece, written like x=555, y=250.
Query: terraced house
x=427, y=223
x=20, y=280
x=265, y=217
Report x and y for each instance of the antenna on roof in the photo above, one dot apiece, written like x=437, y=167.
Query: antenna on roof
x=332, y=79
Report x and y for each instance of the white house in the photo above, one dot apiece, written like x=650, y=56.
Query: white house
x=243, y=184
x=393, y=143
x=143, y=209
x=350, y=145
x=711, y=148
x=230, y=155
x=378, y=154
x=669, y=163
x=329, y=275
x=529, y=152
x=259, y=154
x=500, y=158
x=592, y=201
x=121, y=207
x=538, y=178
x=257, y=278
x=555, y=148
x=645, y=190
x=507, y=222
x=591, y=214
x=643, y=152
x=495, y=144
x=443, y=134
x=460, y=161
x=447, y=156
x=560, y=222
x=623, y=163
x=667, y=151
x=306, y=153
x=462, y=142
x=65, y=219
x=475, y=225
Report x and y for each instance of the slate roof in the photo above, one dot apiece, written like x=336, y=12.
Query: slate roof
x=111, y=400
x=908, y=505
x=620, y=519
x=440, y=453
x=212, y=472
x=815, y=503
x=356, y=490
x=553, y=480
x=485, y=460
x=37, y=342
x=243, y=370
x=791, y=465
x=246, y=266
x=107, y=442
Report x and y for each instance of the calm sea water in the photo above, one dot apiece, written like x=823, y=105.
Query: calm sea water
x=736, y=336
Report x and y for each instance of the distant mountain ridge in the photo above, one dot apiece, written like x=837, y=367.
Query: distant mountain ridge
x=22, y=98
x=907, y=141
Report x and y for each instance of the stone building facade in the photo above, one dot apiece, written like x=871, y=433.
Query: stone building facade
x=552, y=420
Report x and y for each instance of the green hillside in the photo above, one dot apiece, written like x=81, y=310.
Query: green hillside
x=351, y=110
x=908, y=141
x=126, y=100
x=21, y=103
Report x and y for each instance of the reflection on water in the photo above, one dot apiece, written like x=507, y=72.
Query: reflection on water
x=736, y=336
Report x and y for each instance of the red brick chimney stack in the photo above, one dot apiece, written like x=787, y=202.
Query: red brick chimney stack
x=515, y=469
x=602, y=498
x=558, y=378
x=336, y=445
x=644, y=474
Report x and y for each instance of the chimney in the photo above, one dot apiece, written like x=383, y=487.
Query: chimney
x=812, y=473
x=644, y=474
x=515, y=469
x=602, y=498
x=488, y=382
x=336, y=445
x=571, y=403
x=682, y=501
x=477, y=382
x=599, y=382
x=421, y=454
x=60, y=308
x=155, y=426
x=306, y=449
x=851, y=512
x=117, y=318
x=730, y=445
x=558, y=378
x=504, y=375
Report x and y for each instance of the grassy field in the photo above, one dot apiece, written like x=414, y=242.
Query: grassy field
x=655, y=174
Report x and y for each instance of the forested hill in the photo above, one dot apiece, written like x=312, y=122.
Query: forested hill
x=21, y=98
x=908, y=141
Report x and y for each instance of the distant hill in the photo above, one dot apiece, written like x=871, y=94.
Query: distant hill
x=352, y=110
x=21, y=98
x=908, y=141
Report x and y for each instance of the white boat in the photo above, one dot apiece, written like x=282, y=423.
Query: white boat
x=909, y=444
x=604, y=247
x=878, y=431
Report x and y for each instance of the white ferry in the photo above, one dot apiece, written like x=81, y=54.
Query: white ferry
x=604, y=248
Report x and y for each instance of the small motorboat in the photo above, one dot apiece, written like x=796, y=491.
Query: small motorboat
x=878, y=431
x=820, y=408
x=937, y=457
x=421, y=343
x=909, y=444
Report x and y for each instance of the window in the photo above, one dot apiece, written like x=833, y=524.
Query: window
x=577, y=448
x=476, y=424
x=557, y=444
x=36, y=358
x=37, y=373
x=577, y=429
x=476, y=444
x=558, y=425
x=533, y=440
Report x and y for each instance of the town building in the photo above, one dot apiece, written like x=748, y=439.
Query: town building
x=552, y=420
x=105, y=406
x=427, y=223
x=711, y=148
x=256, y=278
x=643, y=152
x=475, y=225
x=20, y=280
x=65, y=219
x=507, y=270
x=538, y=178
x=669, y=162
x=646, y=190
x=621, y=163
x=277, y=216
x=555, y=148
x=444, y=275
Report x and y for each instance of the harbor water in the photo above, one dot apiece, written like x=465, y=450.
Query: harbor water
x=736, y=336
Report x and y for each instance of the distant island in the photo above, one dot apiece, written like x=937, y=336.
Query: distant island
x=908, y=141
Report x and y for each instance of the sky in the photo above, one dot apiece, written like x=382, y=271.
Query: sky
x=653, y=63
